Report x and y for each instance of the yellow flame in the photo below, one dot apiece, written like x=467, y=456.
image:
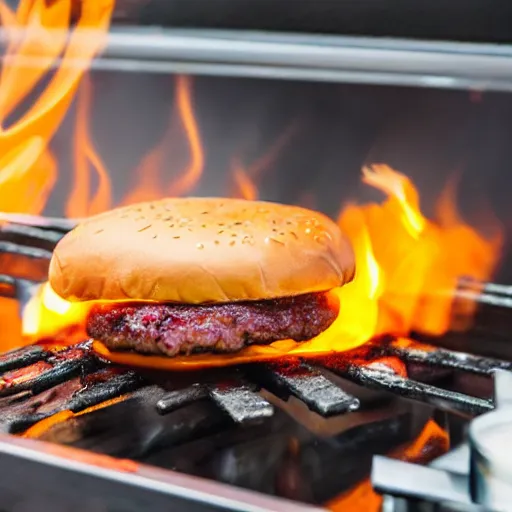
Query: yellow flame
x=397, y=186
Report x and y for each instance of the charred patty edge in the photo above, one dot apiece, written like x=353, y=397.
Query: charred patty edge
x=172, y=329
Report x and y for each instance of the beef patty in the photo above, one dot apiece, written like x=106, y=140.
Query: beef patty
x=172, y=329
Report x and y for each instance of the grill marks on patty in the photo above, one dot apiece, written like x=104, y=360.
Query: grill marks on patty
x=172, y=329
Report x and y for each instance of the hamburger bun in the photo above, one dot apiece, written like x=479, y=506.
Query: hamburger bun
x=201, y=250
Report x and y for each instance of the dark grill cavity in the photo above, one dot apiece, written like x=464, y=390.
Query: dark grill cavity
x=153, y=411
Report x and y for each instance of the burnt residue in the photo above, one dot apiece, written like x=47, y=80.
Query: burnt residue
x=57, y=368
x=22, y=357
x=52, y=381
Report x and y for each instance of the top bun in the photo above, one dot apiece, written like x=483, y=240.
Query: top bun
x=201, y=250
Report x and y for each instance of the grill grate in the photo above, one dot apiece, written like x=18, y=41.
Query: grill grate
x=31, y=240
x=308, y=385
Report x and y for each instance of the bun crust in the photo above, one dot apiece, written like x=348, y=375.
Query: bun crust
x=201, y=250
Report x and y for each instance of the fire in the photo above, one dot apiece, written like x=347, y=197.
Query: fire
x=408, y=266
x=38, y=37
x=80, y=202
x=405, y=279
x=432, y=442
x=245, y=179
x=243, y=182
x=420, y=261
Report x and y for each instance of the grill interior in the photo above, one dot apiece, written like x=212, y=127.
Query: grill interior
x=190, y=421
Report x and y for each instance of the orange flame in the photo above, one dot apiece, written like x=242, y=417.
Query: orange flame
x=432, y=442
x=243, y=182
x=407, y=266
x=38, y=39
x=188, y=179
x=149, y=185
x=405, y=280
x=80, y=204
x=421, y=261
x=245, y=179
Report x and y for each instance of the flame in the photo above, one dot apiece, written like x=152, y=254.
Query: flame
x=38, y=38
x=46, y=314
x=245, y=179
x=407, y=265
x=190, y=177
x=149, y=185
x=405, y=279
x=243, y=182
x=432, y=442
x=80, y=204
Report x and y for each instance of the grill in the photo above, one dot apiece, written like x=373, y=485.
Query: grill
x=248, y=426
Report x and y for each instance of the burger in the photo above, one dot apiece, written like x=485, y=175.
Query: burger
x=180, y=276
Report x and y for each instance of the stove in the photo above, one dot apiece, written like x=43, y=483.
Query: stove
x=389, y=417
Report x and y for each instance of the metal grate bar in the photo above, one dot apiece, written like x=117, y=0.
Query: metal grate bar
x=52, y=223
x=241, y=402
x=22, y=357
x=24, y=262
x=306, y=384
x=19, y=412
x=442, y=358
x=31, y=236
x=53, y=372
x=103, y=391
x=407, y=388
x=7, y=287
x=180, y=397
x=34, y=253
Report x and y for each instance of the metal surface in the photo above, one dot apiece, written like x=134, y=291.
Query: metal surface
x=449, y=20
x=443, y=358
x=181, y=397
x=308, y=385
x=90, y=483
x=407, y=388
x=241, y=402
x=411, y=480
x=491, y=459
x=302, y=57
x=475, y=476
